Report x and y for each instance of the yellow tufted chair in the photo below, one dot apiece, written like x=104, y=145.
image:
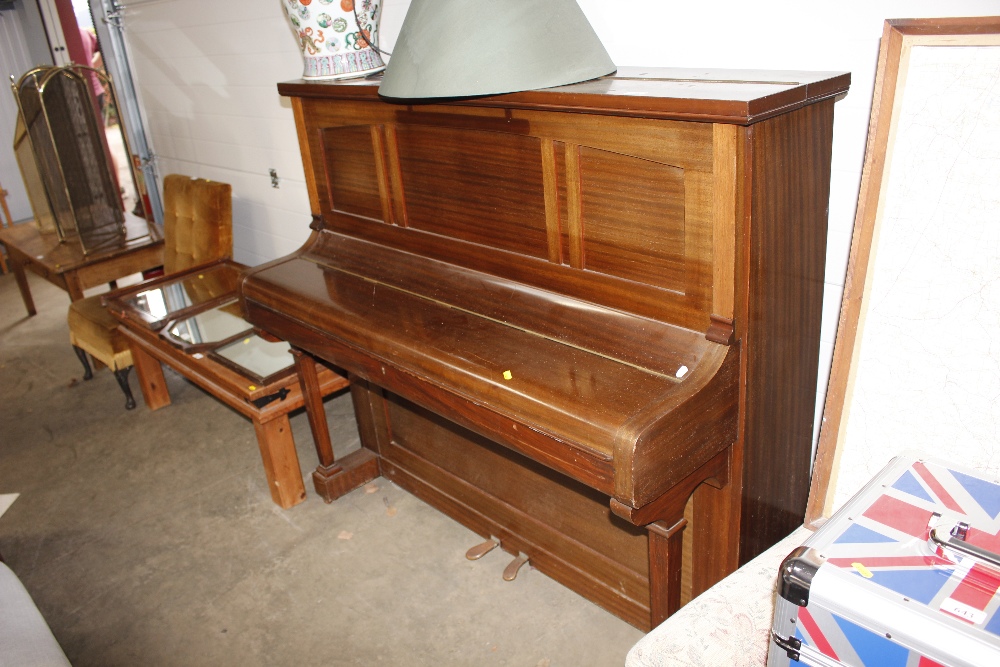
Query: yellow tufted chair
x=197, y=229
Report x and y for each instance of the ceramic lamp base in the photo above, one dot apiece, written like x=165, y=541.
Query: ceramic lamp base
x=342, y=65
x=338, y=38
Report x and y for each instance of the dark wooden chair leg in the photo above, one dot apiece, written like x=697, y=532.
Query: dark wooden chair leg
x=122, y=376
x=82, y=356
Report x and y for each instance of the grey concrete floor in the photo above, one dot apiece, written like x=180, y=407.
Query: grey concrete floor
x=150, y=538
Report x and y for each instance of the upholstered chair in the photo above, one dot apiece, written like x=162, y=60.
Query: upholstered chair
x=197, y=229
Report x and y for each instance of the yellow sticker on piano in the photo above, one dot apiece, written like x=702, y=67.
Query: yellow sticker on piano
x=507, y=375
x=862, y=570
x=252, y=387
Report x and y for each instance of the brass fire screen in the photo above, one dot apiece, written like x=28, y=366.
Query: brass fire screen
x=63, y=153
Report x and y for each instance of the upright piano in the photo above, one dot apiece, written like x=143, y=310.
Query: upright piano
x=582, y=321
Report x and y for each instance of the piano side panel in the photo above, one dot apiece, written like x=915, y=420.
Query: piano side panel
x=789, y=196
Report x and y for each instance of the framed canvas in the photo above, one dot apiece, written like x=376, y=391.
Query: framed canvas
x=916, y=363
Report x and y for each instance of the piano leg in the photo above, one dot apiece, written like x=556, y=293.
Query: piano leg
x=665, y=547
x=332, y=478
x=665, y=522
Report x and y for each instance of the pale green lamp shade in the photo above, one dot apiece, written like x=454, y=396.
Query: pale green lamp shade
x=464, y=48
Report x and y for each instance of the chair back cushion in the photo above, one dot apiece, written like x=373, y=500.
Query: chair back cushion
x=197, y=222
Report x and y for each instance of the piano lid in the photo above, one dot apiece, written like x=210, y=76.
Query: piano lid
x=709, y=95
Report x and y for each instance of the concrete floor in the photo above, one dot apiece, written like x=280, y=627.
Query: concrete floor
x=150, y=538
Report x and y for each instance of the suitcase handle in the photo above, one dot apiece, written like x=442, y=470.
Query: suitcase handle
x=954, y=540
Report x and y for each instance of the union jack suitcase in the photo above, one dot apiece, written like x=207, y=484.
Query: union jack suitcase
x=906, y=574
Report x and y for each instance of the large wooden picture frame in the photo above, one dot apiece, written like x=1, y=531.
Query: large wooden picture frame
x=920, y=115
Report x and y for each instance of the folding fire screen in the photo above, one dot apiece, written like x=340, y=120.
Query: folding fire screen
x=69, y=159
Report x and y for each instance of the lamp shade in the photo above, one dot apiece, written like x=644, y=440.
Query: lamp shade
x=464, y=48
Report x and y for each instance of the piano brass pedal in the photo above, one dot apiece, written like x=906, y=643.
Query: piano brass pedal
x=510, y=572
x=480, y=550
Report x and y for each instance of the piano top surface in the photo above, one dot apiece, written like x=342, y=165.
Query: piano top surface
x=712, y=95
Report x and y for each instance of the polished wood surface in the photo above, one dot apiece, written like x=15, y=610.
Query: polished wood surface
x=65, y=265
x=725, y=96
x=578, y=319
x=785, y=297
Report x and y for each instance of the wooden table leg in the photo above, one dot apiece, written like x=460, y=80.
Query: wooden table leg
x=17, y=266
x=281, y=462
x=331, y=479
x=151, y=380
x=73, y=285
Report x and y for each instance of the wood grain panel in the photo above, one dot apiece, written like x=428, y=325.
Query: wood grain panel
x=304, y=134
x=633, y=218
x=686, y=145
x=560, y=153
x=552, y=519
x=607, y=290
x=382, y=173
x=699, y=191
x=396, y=197
x=725, y=139
x=478, y=186
x=792, y=155
x=574, y=207
x=352, y=171
x=552, y=222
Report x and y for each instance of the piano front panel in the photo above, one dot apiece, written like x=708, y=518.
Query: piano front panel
x=567, y=528
x=352, y=174
x=633, y=217
x=483, y=187
x=599, y=196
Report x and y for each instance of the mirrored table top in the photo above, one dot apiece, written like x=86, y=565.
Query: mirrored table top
x=164, y=300
x=209, y=326
x=255, y=357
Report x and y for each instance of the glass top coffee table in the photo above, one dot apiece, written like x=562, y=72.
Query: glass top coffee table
x=191, y=322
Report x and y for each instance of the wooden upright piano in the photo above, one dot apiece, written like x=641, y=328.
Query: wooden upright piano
x=576, y=320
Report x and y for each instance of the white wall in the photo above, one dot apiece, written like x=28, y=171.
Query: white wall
x=207, y=73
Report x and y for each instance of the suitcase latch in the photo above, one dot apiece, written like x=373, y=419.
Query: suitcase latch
x=791, y=645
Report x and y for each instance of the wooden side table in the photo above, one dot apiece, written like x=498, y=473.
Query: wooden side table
x=68, y=268
x=265, y=400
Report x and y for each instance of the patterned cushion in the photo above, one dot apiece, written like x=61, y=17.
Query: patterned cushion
x=729, y=624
